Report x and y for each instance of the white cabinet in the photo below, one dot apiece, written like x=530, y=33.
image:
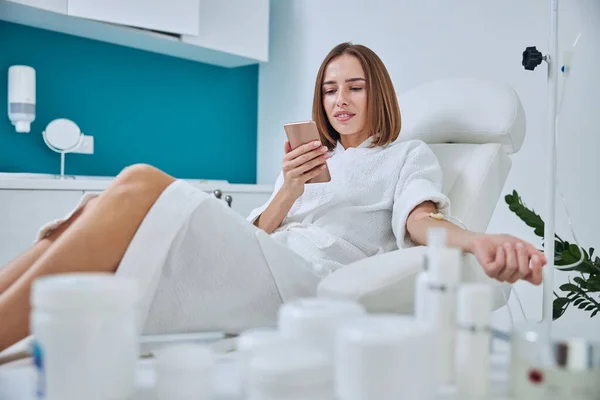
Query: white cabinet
x=57, y=6
x=23, y=212
x=238, y=27
x=244, y=202
x=174, y=16
x=227, y=33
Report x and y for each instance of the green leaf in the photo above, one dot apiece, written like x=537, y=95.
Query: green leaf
x=561, y=302
x=590, y=308
x=574, y=250
x=594, y=313
x=557, y=312
x=585, y=267
x=580, y=281
x=569, y=287
x=526, y=215
x=578, y=301
x=591, y=252
x=583, y=305
x=568, y=257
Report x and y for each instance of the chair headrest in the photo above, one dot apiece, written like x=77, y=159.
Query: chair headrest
x=463, y=110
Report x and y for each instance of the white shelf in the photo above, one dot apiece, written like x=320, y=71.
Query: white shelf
x=121, y=35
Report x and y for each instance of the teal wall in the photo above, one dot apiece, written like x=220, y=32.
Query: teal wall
x=189, y=119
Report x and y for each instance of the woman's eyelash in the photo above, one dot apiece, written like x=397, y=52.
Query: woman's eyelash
x=354, y=89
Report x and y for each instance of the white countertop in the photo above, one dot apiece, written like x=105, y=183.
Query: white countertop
x=18, y=382
x=26, y=181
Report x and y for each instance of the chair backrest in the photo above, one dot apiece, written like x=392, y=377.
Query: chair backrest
x=472, y=125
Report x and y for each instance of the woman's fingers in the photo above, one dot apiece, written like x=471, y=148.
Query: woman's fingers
x=302, y=149
x=536, y=275
x=309, y=165
x=304, y=158
x=512, y=264
x=312, y=173
x=496, y=267
x=523, y=269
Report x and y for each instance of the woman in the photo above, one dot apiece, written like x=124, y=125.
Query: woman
x=200, y=266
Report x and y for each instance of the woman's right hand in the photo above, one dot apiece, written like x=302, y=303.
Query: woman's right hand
x=301, y=165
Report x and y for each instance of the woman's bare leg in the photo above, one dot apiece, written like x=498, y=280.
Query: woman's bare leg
x=95, y=242
x=17, y=267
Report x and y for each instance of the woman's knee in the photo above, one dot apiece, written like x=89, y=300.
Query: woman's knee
x=141, y=180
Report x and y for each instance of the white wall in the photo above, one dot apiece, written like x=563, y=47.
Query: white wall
x=429, y=39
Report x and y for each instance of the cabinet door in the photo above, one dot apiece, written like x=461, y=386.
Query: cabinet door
x=24, y=212
x=245, y=202
x=174, y=16
x=58, y=6
x=239, y=27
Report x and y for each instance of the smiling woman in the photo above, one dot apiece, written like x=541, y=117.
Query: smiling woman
x=346, y=107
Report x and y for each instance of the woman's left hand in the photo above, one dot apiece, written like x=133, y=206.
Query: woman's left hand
x=508, y=259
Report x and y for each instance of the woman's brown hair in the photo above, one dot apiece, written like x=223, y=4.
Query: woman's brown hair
x=383, y=113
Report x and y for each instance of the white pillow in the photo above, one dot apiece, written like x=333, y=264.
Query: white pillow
x=463, y=110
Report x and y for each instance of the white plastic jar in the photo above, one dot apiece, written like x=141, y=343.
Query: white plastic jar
x=315, y=321
x=184, y=372
x=290, y=372
x=86, y=340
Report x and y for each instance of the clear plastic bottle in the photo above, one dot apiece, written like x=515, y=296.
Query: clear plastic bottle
x=473, y=340
x=437, y=297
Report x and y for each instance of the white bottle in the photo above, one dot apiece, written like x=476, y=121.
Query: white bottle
x=436, y=239
x=86, y=338
x=443, y=277
x=21, y=97
x=473, y=340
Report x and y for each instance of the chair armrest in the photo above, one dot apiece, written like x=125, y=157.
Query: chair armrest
x=386, y=283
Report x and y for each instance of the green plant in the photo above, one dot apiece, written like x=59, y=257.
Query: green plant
x=580, y=292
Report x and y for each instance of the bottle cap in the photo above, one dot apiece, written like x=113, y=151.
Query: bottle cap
x=437, y=237
x=444, y=266
x=83, y=291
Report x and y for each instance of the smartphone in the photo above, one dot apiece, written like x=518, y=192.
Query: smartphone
x=299, y=133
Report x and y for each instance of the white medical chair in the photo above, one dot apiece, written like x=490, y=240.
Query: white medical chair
x=472, y=125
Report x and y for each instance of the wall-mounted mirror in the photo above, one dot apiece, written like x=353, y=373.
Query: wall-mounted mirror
x=62, y=136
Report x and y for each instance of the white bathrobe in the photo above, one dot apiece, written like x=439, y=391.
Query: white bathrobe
x=201, y=266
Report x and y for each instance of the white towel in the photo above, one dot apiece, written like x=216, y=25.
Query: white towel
x=200, y=266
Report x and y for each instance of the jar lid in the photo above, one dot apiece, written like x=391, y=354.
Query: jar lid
x=290, y=366
x=257, y=337
x=83, y=291
x=316, y=313
x=184, y=357
x=382, y=330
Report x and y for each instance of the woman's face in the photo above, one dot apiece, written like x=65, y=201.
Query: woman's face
x=345, y=99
